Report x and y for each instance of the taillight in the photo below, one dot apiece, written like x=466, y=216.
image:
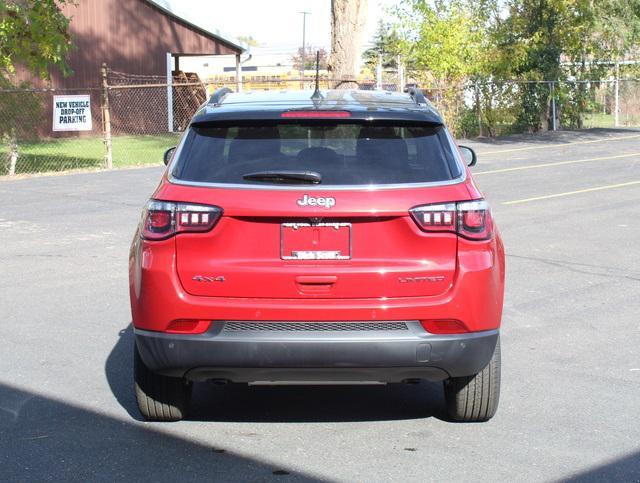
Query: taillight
x=440, y=217
x=474, y=220
x=469, y=219
x=163, y=219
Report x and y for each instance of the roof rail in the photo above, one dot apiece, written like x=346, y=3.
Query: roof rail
x=218, y=95
x=417, y=95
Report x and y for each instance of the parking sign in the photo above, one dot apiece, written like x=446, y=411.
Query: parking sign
x=72, y=113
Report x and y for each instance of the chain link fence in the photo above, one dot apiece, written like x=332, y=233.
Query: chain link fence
x=509, y=107
x=26, y=141
x=132, y=120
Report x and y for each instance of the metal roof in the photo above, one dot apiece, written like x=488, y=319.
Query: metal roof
x=206, y=29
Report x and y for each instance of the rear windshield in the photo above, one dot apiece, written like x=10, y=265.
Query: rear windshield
x=335, y=153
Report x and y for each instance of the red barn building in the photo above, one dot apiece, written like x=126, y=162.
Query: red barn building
x=143, y=37
x=143, y=40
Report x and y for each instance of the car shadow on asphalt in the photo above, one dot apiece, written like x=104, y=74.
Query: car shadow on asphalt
x=625, y=468
x=119, y=372
x=284, y=403
x=46, y=439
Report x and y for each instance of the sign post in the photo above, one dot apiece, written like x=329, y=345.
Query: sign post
x=106, y=120
x=169, y=92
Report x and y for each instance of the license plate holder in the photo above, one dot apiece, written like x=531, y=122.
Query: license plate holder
x=315, y=241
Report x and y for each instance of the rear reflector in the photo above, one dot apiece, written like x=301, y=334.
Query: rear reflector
x=163, y=219
x=315, y=114
x=188, y=326
x=444, y=326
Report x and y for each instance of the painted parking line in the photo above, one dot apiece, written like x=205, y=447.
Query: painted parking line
x=570, y=193
x=559, y=145
x=559, y=163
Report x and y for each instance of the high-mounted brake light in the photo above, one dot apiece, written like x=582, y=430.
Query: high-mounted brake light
x=469, y=219
x=163, y=219
x=315, y=114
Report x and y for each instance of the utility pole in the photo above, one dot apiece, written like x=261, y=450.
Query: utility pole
x=238, y=74
x=304, y=46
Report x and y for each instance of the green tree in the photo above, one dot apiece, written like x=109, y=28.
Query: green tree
x=485, y=43
x=385, y=43
x=440, y=39
x=443, y=46
x=563, y=40
x=617, y=27
x=34, y=33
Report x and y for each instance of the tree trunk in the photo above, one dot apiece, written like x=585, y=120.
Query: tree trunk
x=582, y=91
x=13, y=155
x=347, y=24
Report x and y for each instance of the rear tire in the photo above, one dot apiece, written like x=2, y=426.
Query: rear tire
x=475, y=398
x=160, y=398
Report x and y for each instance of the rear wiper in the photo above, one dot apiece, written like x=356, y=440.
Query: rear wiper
x=285, y=176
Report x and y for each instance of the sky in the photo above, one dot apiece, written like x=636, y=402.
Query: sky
x=277, y=24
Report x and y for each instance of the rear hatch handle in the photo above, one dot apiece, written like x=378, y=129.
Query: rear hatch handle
x=315, y=284
x=316, y=279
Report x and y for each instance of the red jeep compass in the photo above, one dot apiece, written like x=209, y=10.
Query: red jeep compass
x=328, y=238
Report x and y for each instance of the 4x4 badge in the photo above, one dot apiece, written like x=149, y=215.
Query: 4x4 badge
x=307, y=200
x=202, y=278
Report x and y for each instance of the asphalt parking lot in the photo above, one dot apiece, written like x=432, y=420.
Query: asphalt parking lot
x=567, y=205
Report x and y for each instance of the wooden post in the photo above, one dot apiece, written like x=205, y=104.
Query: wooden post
x=106, y=120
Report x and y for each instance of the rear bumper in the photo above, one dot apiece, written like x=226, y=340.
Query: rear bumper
x=374, y=356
